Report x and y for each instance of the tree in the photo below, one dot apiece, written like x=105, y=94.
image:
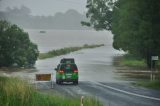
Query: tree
x=134, y=24
x=100, y=14
x=22, y=17
x=16, y=47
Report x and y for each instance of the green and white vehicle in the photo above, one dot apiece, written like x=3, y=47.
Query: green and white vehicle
x=67, y=71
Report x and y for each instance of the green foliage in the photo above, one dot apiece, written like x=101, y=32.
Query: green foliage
x=66, y=50
x=134, y=24
x=132, y=61
x=15, y=92
x=100, y=14
x=15, y=46
x=134, y=28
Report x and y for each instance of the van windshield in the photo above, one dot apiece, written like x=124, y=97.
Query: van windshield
x=67, y=61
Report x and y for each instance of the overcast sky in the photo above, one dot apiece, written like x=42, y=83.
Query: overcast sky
x=46, y=7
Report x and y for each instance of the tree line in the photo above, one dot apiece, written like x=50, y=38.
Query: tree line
x=22, y=17
x=134, y=24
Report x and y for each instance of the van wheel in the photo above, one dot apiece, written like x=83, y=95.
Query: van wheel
x=75, y=82
x=60, y=82
x=56, y=82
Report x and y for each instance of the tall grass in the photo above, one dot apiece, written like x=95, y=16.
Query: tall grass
x=132, y=61
x=15, y=92
x=135, y=62
x=66, y=50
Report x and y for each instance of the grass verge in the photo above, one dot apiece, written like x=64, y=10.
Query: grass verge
x=130, y=65
x=66, y=50
x=148, y=84
x=16, y=92
x=132, y=61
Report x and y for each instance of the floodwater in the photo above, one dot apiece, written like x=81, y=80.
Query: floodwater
x=93, y=64
x=96, y=71
x=54, y=39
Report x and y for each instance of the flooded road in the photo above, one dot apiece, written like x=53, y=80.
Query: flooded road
x=93, y=64
x=97, y=77
x=56, y=39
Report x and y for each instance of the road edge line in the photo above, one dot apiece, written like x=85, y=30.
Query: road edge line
x=126, y=92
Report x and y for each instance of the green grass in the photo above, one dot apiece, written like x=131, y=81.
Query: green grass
x=138, y=63
x=16, y=92
x=149, y=84
x=135, y=62
x=66, y=50
x=132, y=61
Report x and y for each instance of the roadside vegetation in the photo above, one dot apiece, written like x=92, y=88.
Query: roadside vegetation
x=66, y=50
x=136, y=62
x=133, y=23
x=16, y=92
x=148, y=84
x=16, y=49
x=132, y=62
x=135, y=67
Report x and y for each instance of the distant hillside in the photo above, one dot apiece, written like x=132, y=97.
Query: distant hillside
x=22, y=17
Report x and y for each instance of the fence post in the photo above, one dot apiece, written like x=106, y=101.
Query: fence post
x=82, y=97
x=35, y=82
x=51, y=80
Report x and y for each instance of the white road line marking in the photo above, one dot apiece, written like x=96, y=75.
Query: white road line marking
x=126, y=92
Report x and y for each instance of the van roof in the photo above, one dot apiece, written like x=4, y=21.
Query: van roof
x=67, y=60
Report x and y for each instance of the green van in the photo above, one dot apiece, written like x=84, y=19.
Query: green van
x=67, y=72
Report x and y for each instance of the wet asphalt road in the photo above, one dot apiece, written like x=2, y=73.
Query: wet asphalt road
x=109, y=97
x=97, y=79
